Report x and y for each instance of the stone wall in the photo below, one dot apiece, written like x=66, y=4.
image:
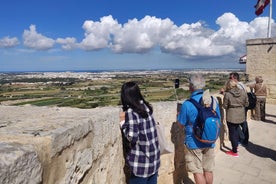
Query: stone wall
x=261, y=61
x=52, y=145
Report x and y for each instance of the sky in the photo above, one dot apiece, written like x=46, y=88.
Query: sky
x=55, y=35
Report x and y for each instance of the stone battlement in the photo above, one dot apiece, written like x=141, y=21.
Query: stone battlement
x=53, y=145
x=60, y=145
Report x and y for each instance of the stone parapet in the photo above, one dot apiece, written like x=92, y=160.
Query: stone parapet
x=53, y=145
x=261, y=41
x=19, y=164
x=60, y=145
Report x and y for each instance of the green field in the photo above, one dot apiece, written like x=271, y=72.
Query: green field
x=87, y=93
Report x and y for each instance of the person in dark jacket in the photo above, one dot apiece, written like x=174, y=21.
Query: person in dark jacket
x=234, y=102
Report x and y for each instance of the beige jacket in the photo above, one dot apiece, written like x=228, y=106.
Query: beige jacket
x=234, y=102
x=259, y=89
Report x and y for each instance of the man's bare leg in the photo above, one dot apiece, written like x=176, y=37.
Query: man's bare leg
x=199, y=178
x=208, y=177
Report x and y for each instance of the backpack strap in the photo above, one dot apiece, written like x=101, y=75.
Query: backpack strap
x=195, y=103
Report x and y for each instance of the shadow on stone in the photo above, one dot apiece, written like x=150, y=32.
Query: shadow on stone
x=180, y=173
x=268, y=120
x=261, y=151
x=271, y=115
x=224, y=148
x=126, y=149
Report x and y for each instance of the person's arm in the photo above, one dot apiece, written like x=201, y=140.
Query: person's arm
x=122, y=118
x=130, y=127
x=182, y=115
x=251, y=86
x=225, y=101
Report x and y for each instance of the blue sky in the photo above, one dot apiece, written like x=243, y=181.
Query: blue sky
x=43, y=35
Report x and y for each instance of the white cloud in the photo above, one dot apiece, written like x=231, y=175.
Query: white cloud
x=188, y=40
x=68, y=43
x=99, y=34
x=260, y=26
x=141, y=36
x=193, y=40
x=37, y=41
x=232, y=30
x=8, y=42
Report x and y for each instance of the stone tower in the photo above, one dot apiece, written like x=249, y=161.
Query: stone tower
x=261, y=61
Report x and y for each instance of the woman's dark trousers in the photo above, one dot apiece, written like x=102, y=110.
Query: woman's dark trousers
x=233, y=135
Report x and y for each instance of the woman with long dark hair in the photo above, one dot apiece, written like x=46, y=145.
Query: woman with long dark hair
x=138, y=127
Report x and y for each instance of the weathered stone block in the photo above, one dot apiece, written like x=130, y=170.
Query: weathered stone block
x=19, y=164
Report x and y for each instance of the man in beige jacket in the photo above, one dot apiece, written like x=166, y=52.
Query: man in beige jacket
x=260, y=91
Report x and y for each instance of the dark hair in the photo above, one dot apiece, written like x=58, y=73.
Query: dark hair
x=235, y=75
x=131, y=97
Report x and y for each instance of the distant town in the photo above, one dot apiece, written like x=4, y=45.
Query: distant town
x=93, y=89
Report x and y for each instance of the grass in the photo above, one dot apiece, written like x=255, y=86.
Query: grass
x=93, y=93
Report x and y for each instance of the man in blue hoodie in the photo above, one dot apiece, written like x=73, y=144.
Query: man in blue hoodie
x=200, y=157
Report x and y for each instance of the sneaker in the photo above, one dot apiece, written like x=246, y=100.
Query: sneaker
x=232, y=153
